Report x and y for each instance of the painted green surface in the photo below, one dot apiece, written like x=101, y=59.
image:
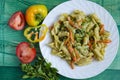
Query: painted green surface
x=9, y=37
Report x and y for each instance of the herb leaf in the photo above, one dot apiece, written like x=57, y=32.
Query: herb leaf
x=40, y=69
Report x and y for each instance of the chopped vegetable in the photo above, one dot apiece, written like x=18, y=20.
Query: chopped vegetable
x=25, y=53
x=71, y=51
x=40, y=69
x=72, y=64
x=32, y=33
x=17, y=21
x=102, y=29
x=35, y=14
x=105, y=41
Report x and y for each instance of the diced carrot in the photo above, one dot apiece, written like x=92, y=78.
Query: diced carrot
x=72, y=64
x=72, y=23
x=77, y=54
x=102, y=29
x=90, y=45
x=71, y=51
x=106, y=41
x=71, y=36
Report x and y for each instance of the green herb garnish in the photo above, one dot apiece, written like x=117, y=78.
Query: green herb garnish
x=40, y=69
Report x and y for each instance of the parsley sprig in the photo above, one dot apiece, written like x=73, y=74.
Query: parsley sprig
x=40, y=69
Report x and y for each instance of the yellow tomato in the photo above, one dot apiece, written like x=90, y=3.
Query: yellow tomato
x=35, y=14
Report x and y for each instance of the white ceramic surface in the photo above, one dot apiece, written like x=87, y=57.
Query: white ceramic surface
x=95, y=67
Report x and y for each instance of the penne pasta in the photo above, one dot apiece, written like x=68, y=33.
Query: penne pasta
x=79, y=38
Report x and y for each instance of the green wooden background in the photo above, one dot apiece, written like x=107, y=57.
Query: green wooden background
x=9, y=69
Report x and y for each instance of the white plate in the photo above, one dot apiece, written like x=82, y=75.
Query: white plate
x=95, y=67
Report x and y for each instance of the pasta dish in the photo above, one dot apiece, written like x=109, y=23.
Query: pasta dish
x=79, y=38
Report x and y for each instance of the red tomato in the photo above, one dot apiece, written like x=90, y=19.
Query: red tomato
x=25, y=53
x=17, y=21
